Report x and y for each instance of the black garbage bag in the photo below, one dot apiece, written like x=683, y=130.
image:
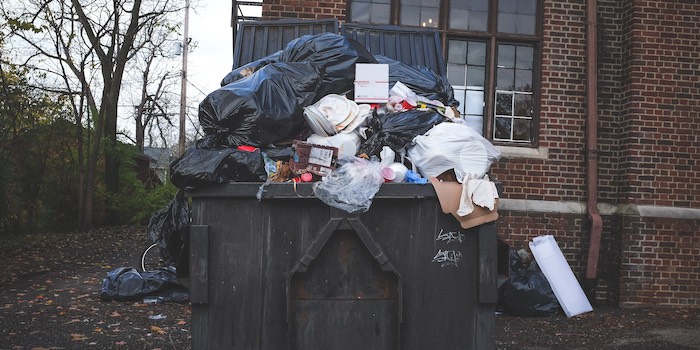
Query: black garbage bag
x=200, y=167
x=527, y=292
x=262, y=108
x=421, y=80
x=128, y=284
x=335, y=53
x=250, y=68
x=169, y=227
x=397, y=129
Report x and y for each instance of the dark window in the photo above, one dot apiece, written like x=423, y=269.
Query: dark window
x=491, y=52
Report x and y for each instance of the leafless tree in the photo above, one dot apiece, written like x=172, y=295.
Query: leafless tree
x=85, y=47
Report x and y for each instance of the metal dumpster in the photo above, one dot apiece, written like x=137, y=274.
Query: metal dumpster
x=290, y=272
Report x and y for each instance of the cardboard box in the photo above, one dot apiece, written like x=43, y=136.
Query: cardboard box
x=371, y=83
x=449, y=194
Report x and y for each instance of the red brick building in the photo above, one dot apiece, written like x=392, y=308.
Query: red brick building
x=595, y=106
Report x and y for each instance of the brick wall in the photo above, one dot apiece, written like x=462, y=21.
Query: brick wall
x=303, y=9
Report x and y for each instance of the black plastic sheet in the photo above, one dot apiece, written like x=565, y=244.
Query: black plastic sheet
x=200, y=167
x=527, y=292
x=128, y=284
x=169, y=228
x=396, y=130
x=420, y=80
x=263, y=108
x=335, y=53
x=250, y=68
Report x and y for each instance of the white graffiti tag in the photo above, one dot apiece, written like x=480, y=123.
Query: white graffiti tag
x=447, y=257
x=449, y=237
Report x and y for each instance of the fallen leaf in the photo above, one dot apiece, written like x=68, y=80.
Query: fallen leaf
x=157, y=329
x=182, y=323
x=77, y=337
x=120, y=343
x=115, y=314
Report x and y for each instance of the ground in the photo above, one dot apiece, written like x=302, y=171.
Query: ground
x=49, y=299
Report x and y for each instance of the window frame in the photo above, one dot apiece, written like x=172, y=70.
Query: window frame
x=493, y=39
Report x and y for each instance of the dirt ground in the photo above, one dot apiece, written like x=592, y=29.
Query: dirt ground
x=49, y=299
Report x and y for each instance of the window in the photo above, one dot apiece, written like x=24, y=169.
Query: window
x=491, y=50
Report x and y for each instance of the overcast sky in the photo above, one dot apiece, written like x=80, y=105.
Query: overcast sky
x=212, y=57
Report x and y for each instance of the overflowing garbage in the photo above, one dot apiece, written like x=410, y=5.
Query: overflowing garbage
x=292, y=117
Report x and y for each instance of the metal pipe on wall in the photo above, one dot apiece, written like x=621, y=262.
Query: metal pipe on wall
x=592, y=145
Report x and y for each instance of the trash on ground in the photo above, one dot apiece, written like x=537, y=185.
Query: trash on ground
x=128, y=284
x=527, y=292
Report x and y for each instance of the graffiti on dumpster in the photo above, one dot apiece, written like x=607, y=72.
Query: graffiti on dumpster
x=450, y=236
x=447, y=257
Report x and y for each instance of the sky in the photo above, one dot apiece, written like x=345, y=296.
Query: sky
x=211, y=59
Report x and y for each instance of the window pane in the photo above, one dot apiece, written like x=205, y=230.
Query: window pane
x=523, y=57
x=522, y=129
x=459, y=96
x=410, y=15
x=504, y=104
x=429, y=17
x=474, y=103
x=525, y=24
x=517, y=17
x=523, y=80
x=506, y=56
x=478, y=20
x=523, y=105
x=475, y=76
x=459, y=19
x=381, y=13
x=507, y=23
x=359, y=12
x=459, y=5
x=457, y=51
x=411, y=2
x=502, y=128
x=504, y=79
x=477, y=53
x=455, y=74
x=479, y=5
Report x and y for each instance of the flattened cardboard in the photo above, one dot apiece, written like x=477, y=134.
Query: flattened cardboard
x=449, y=194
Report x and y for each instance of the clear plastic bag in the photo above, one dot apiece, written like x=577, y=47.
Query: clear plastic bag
x=352, y=186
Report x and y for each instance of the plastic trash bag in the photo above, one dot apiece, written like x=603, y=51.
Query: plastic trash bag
x=396, y=130
x=200, y=167
x=263, y=108
x=352, y=186
x=169, y=227
x=128, y=284
x=335, y=53
x=250, y=68
x=452, y=146
x=527, y=292
x=421, y=80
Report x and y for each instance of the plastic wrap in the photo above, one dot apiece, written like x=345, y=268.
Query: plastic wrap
x=352, y=186
x=250, y=68
x=169, y=227
x=128, y=284
x=452, y=146
x=527, y=292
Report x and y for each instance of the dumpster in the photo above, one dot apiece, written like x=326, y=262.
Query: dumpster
x=287, y=271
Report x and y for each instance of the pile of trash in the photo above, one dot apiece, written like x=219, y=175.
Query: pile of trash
x=293, y=117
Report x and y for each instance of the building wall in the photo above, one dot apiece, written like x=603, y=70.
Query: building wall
x=648, y=151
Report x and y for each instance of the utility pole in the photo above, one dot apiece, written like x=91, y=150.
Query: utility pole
x=183, y=75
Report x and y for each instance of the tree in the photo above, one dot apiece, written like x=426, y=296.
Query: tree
x=84, y=48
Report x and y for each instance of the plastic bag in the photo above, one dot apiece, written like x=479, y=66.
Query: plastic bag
x=396, y=130
x=263, y=108
x=250, y=68
x=169, y=227
x=200, y=167
x=452, y=146
x=527, y=292
x=335, y=53
x=352, y=186
x=128, y=284
x=420, y=80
